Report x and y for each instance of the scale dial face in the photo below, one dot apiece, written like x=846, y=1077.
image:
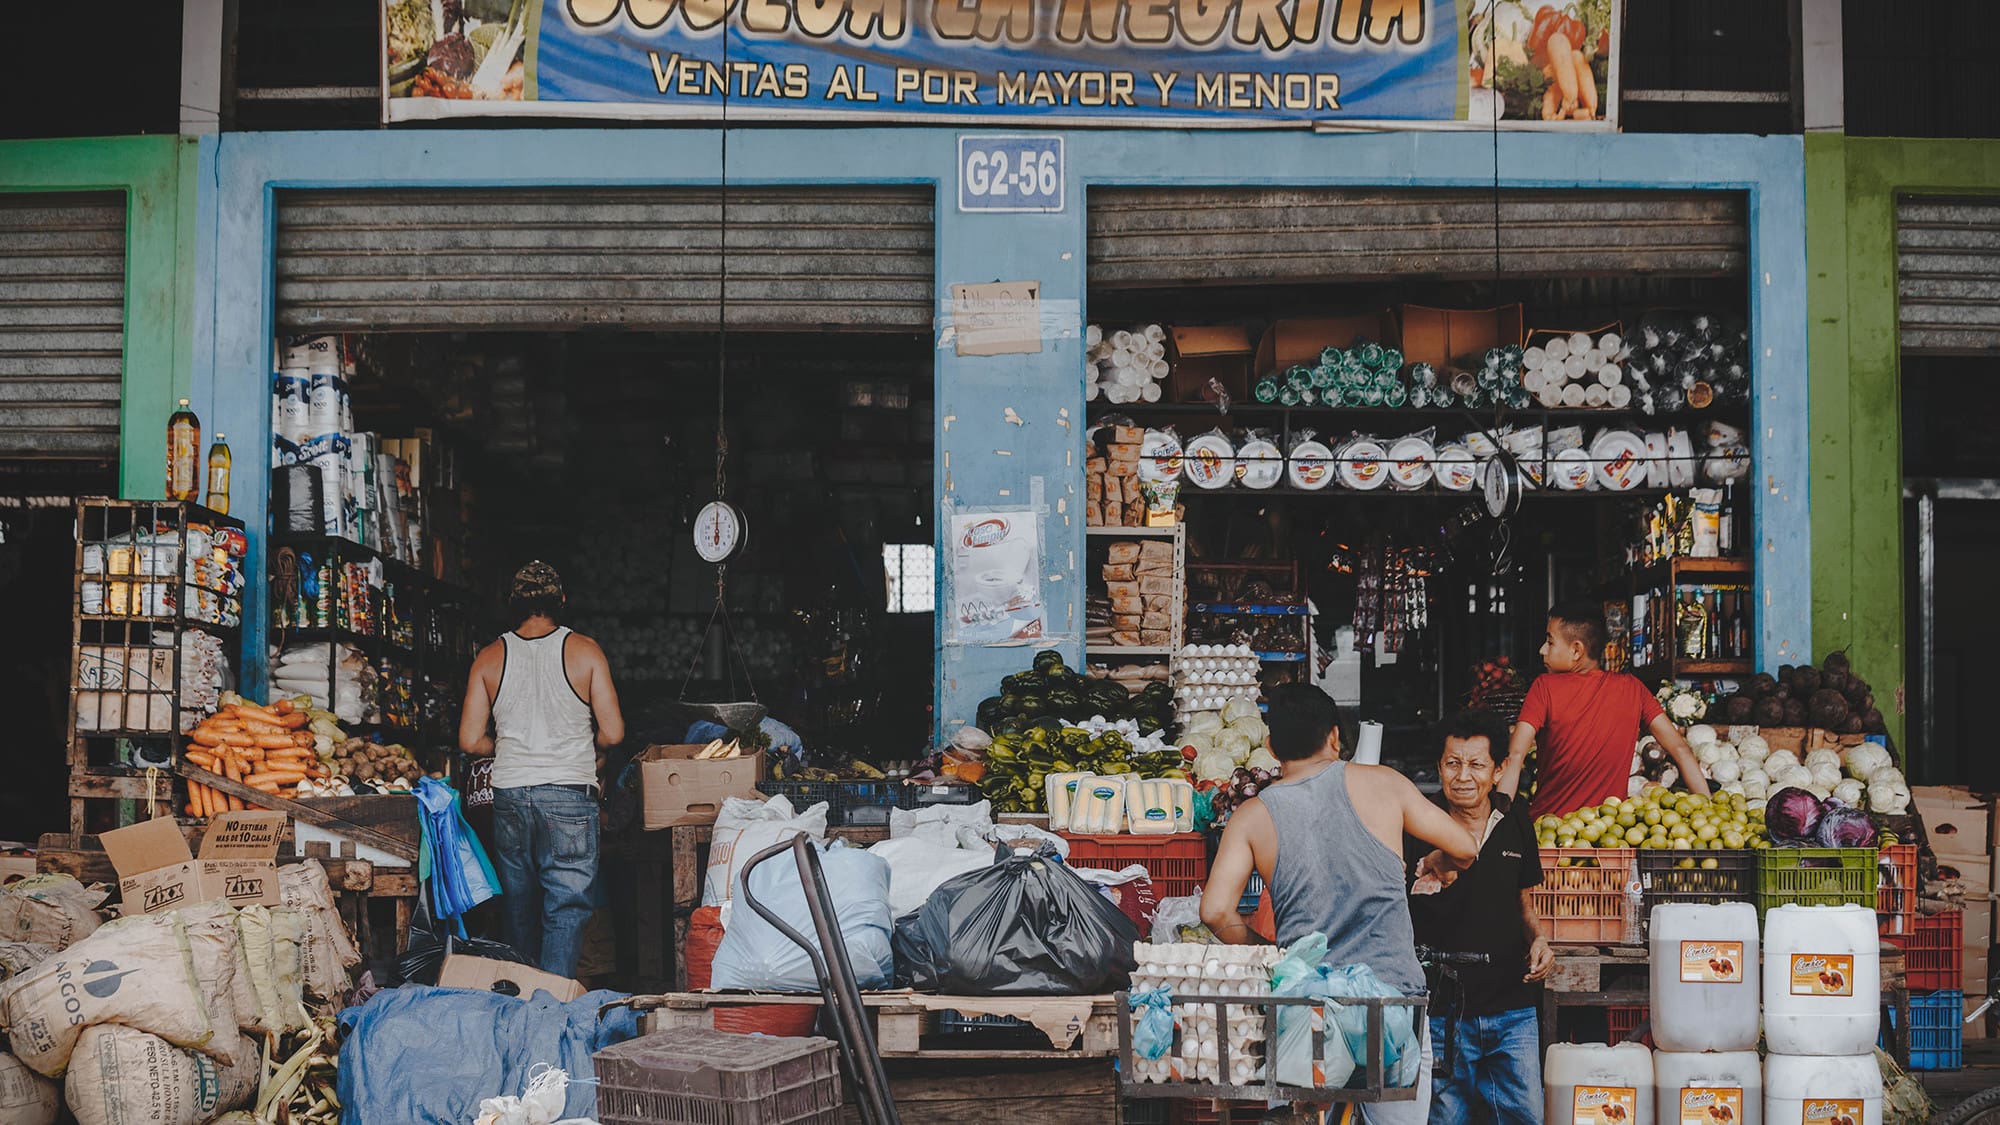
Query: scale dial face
x=1503, y=485
x=719, y=531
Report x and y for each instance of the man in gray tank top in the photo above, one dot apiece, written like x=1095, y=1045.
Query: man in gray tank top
x=540, y=701
x=1328, y=839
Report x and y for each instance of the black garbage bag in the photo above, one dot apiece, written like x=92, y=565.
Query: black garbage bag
x=1026, y=926
x=423, y=958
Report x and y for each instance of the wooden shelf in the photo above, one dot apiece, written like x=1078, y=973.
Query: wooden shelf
x=1127, y=650
x=1681, y=669
x=1132, y=532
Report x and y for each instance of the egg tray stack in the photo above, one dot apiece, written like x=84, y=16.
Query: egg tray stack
x=1187, y=969
x=1208, y=676
x=1111, y=481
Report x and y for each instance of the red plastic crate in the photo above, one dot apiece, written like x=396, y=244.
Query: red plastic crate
x=1622, y=1020
x=1177, y=865
x=1931, y=951
x=1582, y=901
x=1896, y=894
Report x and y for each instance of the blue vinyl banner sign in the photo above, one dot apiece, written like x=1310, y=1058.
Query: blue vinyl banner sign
x=1172, y=63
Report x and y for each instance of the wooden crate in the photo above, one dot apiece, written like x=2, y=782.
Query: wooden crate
x=909, y=1024
x=1000, y=1092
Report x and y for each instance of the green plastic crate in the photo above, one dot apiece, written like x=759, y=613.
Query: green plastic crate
x=1816, y=877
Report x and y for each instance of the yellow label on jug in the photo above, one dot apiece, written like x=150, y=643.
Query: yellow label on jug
x=1605, y=1105
x=1822, y=974
x=1711, y=1105
x=1833, y=1111
x=1711, y=962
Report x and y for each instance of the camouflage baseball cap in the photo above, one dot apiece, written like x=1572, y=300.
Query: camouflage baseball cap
x=536, y=580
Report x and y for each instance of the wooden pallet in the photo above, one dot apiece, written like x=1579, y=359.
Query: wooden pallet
x=907, y=1024
x=1000, y=1092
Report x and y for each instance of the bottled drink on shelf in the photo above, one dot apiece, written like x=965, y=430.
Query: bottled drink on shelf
x=218, y=474
x=183, y=455
x=1727, y=536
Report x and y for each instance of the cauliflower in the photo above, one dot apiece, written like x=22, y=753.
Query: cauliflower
x=1850, y=792
x=1824, y=777
x=1867, y=759
x=1712, y=752
x=1735, y=787
x=1888, y=793
x=1819, y=758
x=1752, y=775
x=1779, y=762
x=1702, y=735
x=1753, y=746
x=1757, y=790
x=1796, y=777
x=1728, y=771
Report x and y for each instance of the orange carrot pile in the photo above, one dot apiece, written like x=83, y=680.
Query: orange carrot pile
x=266, y=748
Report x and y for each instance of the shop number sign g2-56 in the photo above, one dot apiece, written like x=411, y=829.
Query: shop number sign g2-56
x=1010, y=173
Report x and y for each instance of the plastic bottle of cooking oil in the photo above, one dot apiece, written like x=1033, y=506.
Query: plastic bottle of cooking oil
x=1822, y=1090
x=218, y=475
x=1822, y=980
x=1715, y=1088
x=183, y=452
x=1705, y=983
x=1598, y=1085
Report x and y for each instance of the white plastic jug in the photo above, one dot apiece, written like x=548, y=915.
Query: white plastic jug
x=1588, y=1084
x=1822, y=1090
x=1718, y=1088
x=1822, y=980
x=1705, y=987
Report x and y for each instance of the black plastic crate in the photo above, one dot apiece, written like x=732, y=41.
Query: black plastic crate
x=869, y=794
x=694, y=1076
x=805, y=794
x=924, y=796
x=1670, y=875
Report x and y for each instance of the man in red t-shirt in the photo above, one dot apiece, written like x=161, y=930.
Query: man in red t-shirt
x=1586, y=722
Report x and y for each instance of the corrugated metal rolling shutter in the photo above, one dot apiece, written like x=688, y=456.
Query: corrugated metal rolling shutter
x=1143, y=237
x=62, y=323
x=559, y=258
x=1948, y=274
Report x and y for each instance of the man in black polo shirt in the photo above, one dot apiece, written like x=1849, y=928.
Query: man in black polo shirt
x=1493, y=1070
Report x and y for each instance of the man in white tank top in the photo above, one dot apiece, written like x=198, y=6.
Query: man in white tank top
x=540, y=701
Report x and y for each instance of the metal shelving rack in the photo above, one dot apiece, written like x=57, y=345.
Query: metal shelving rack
x=427, y=643
x=135, y=594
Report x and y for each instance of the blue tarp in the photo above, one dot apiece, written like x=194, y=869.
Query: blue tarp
x=429, y=1056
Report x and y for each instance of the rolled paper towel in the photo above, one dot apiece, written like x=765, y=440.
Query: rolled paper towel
x=1368, y=745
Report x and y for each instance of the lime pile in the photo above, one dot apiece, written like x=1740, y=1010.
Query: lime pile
x=1659, y=818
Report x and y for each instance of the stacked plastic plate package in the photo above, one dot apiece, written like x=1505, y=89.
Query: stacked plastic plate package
x=1207, y=677
x=1186, y=969
x=1578, y=370
x=1124, y=365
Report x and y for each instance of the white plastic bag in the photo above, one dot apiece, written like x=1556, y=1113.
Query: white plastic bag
x=917, y=867
x=541, y=1104
x=746, y=827
x=754, y=955
x=941, y=824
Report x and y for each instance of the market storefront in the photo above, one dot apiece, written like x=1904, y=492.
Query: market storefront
x=1008, y=429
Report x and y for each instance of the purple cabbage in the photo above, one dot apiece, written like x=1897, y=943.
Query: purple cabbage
x=1791, y=814
x=1842, y=826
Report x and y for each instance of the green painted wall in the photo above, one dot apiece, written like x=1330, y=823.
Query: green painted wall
x=1857, y=456
x=157, y=175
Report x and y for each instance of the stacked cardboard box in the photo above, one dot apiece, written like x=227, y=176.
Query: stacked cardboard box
x=1111, y=482
x=1139, y=580
x=1960, y=826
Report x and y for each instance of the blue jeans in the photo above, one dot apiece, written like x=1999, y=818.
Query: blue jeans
x=546, y=854
x=1494, y=1073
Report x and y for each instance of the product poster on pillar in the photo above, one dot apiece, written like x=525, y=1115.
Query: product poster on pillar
x=1180, y=63
x=996, y=580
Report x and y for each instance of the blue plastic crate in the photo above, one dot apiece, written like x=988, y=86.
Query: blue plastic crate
x=1937, y=1030
x=1253, y=893
x=952, y=1021
x=870, y=794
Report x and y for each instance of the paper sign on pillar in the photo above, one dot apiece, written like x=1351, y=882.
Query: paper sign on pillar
x=237, y=862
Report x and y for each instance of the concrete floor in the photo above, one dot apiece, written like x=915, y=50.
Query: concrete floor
x=1982, y=1071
